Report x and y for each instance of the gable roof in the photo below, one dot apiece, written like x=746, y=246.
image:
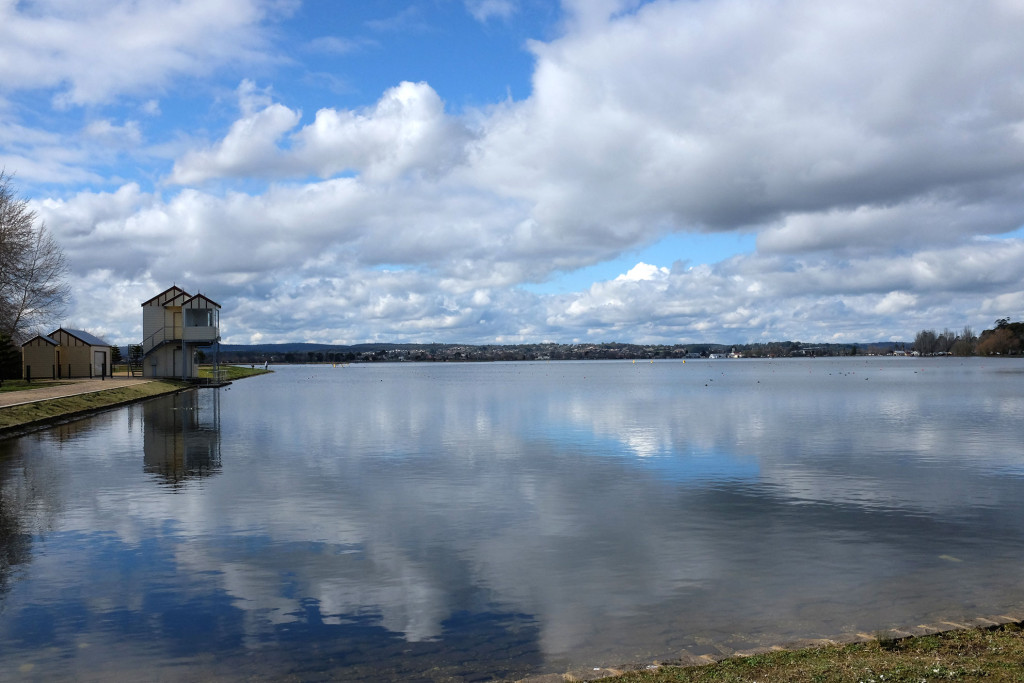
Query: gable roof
x=45, y=338
x=168, y=294
x=82, y=335
x=200, y=301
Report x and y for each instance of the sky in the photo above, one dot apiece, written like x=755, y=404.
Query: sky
x=521, y=171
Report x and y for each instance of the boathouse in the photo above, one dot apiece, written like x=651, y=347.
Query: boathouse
x=65, y=352
x=175, y=325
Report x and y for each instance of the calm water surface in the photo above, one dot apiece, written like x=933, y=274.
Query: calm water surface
x=481, y=521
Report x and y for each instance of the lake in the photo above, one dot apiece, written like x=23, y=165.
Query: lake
x=484, y=521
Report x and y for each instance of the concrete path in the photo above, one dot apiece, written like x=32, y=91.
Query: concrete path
x=71, y=387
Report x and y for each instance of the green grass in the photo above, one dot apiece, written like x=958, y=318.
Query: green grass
x=991, y=655
x=231, y=372
x=22, y=385
x=19, y=416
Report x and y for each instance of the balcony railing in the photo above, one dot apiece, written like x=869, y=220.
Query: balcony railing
x=200, y=334
x=170, y=333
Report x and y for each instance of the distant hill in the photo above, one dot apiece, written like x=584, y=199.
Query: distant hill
x=398, y=352
x=301, y=347
x=1007, y=338
x=302, y=352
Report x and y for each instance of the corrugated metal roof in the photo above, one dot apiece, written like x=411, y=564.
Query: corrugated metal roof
x=89, y=339
x=44, y=338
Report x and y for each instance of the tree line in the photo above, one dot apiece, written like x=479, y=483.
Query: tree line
x=1004, y=339
x=391, y=352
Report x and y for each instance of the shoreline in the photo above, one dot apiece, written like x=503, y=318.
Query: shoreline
x=59, y=403
x=23, y=417
x=691, y=667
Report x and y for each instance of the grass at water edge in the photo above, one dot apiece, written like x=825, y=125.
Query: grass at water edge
x=993, y=655
x=13, y=417
x=231, y=372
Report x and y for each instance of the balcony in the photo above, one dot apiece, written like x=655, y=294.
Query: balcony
x=201, y=334
x=172, y=333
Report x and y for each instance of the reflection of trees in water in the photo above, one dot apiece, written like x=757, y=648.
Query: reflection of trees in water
x=17, y=496
x=15, y=544
x=182, y=437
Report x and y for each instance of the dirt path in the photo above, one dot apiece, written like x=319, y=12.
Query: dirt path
x=72, y=387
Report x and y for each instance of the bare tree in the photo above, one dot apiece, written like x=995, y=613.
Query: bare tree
x=945, y=341
x=32, y=267
x=925, y=342
x=965, y=343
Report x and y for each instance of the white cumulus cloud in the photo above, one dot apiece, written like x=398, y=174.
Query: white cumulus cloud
x=873, y=147
x=95, y=51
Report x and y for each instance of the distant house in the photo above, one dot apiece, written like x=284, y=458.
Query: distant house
x=174, y=325
x=65, y=352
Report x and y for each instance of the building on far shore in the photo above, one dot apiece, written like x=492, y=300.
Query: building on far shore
x=65, y=352
x=175, y=324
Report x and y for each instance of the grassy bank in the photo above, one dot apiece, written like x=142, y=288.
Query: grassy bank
x=992, y=655
x=231, y=372
x=228, y=372
x=13, y=417
x=22, y=385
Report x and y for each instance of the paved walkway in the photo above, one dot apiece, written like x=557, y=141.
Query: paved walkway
x=71, y=387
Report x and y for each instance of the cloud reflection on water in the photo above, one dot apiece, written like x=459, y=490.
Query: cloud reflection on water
x=619, y=510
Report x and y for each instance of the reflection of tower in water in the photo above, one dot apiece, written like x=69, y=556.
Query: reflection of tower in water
x=181, y=436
